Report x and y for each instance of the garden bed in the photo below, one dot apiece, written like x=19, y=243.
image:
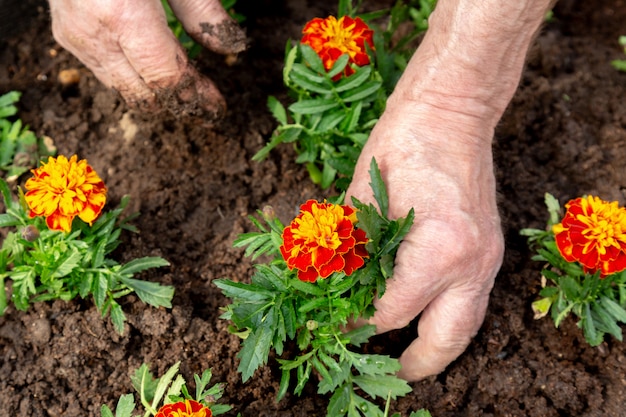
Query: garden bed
x=195, y=185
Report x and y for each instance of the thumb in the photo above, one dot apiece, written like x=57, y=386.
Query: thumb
x=445, y=329
x=209, y=24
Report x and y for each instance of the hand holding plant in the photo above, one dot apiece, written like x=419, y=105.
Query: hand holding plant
x=586, y=264
x=63, y=238
x=326, y=269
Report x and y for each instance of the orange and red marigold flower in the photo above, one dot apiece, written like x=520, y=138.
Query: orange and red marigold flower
x=331, y=38
x=62, y=189
x=323, y=240
x=187, y=408
x=593, y=233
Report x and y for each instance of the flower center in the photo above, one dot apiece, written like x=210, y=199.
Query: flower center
x=340, y=37
x=319, y=227
x=603, y=227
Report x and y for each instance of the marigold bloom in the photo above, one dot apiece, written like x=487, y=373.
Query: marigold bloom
x=323, y=240
x=593, y=233
x=331, y=38
x=62, y=189
x=187, y=408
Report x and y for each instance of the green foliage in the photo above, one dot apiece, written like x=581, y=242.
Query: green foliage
x=169, y=388
x=620, y=64
x=598, y=303
x=329, y=121
x=20, y=149
x=193, y=49
x=276, y=307
x=45, y=265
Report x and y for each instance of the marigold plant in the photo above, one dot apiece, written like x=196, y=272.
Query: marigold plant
x=339, y=76
x=326, y=268
x=168, y=396
x=323, y=240
x=593, y=233
x=585, y=252
x=62, y=238
x=62, y=189
x=186, y=408
x=331, y=38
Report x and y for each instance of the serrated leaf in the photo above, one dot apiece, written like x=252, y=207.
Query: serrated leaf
x=382, y=385
x=361, y=92
x=125, y=406
x=355, y=80
x=141, y=264
x=241, y=291
x=309, y=83
x=554, y=208
x=570, y=287
x=330, y=121
x=99, y=290
x=144, y=383
x=175, y=389
x=378, y=188
x=163, y=384
x=117, y=316
x=307, y=288
x=313, y=106
x=339, y=65
x=105, y=411
x=593, y=337
x=151, y=293
x=254, y=352
x=375, y=364
x=312, y=58
x=361, y=334
x=277, y=109
x=68, y=265
x=613, y=308
x=605, y=322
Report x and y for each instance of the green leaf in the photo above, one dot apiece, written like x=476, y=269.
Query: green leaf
x=309, y=84
x=339, y=402
x=330, y=121
x=151, y=293
x=68, y=265
x=375, y=364
x=354, y=80
x=277, y=109
x=613, y=308
x=141, y=264
x=241, y=291
x=339, y=65
x=175, y=389
x=164, y=382
x=125, y=406
x=361, y=334
x=312, y=58
x=255, y=350
x=306, y=287
x=99, y=290
x=144, y=383
x=361, y=92
x=592, y=335
x=284, y=384
x=570, y=287
x=605, y=322
x=105, y=411
x=379, y=189
x=554, y=208
x=117, y=316
x=382, y=385
x=313, y=106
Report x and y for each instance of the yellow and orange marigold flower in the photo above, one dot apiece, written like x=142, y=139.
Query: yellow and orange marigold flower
x=323, y=240
x=593, y=233
x=187, y=408
x=331, y=38
x=62, y=189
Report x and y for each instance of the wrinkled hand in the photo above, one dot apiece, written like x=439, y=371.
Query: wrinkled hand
x=129, y=47
x=445, y=267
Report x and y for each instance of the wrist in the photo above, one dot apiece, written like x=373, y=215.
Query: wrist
x=472, y=56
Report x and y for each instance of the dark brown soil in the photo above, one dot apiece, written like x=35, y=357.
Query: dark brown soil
x=564, y=133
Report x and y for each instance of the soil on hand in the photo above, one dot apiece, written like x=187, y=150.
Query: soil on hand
x=563, y=133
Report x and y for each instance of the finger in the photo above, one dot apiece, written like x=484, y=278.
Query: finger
x=445, y=329
x=209, y=24
x=163, y=66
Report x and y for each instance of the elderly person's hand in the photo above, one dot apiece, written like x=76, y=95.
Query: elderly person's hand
x=129, y=47
x=433, y=147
